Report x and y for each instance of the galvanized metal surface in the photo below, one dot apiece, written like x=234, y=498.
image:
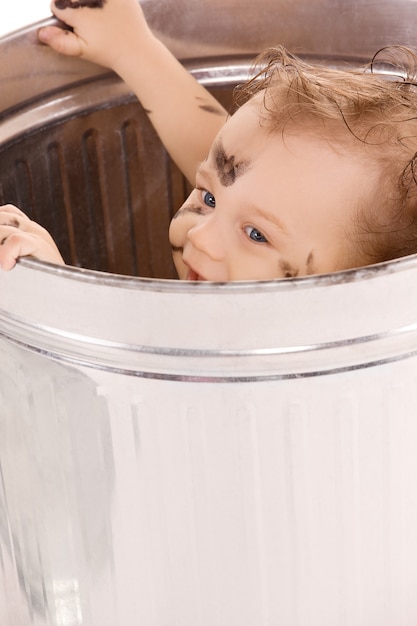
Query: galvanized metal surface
x=220, y=454
x=194, y=455
x=225, y=28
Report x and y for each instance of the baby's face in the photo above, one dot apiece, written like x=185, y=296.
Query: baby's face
x=268, y=206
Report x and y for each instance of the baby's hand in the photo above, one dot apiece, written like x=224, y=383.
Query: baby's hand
x=19, y=237
x=100, y=29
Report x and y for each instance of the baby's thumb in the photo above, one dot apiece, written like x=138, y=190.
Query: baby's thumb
x=61, y=40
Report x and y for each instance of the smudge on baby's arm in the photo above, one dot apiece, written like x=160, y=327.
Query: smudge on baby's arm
x=77, y=4
x=209, y=107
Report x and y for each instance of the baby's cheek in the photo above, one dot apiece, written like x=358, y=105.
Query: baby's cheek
x=181, y=268
x=175, y=232
x=179, y=227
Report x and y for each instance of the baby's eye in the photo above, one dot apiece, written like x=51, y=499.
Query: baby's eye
x=208, y=199
x=255, y=234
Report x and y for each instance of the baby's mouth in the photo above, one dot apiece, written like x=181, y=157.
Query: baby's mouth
x=192, y=275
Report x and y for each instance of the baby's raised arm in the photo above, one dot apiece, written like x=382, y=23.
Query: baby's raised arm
x=20, y=236
x=116, y=35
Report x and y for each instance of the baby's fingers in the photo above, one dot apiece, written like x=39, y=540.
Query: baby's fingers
x=8, y=210
x=61, y=40
x=11, y=216
x=15, y=244
x=20, y=236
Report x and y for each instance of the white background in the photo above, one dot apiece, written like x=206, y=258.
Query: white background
x=15, y=14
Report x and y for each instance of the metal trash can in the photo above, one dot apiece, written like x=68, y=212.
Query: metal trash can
x=176, y=454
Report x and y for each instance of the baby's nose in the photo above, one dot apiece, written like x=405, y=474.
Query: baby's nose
x=207, y=238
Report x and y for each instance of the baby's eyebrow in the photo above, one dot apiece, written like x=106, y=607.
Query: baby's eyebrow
x=270, y=216
x=189, y=208
x=227, y=167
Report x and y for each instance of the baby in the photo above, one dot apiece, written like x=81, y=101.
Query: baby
x=314, y=173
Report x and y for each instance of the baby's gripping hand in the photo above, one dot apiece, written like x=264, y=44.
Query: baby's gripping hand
x=20, y=236
x=99, y=30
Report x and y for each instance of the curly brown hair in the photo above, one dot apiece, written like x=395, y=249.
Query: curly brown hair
x=370, y=110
